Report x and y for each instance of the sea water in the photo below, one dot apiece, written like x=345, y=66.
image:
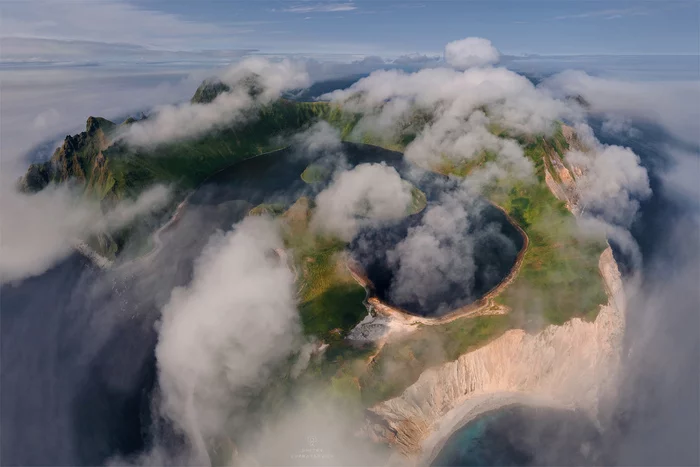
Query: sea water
x=523, y=435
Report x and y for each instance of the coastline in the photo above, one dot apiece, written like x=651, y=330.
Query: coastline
x=471, y=409
x=104, y=263
x=573, y=365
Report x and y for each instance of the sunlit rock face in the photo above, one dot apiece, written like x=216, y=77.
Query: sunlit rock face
x=571, y=365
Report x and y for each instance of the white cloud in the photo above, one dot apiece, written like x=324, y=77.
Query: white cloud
x=40, y=229
x=612, y=184
x=435, y=256
x=671, y=104
x=221, y=336
x=462, y=107
x=606, y=14
x=511, y=99
x=321, y=137
x=41, y=104
x=620, y=126
x=321, y=8
x=174, y=122
x=366, y=195
x=111, y=21
x=458, y=140
x=470, y=52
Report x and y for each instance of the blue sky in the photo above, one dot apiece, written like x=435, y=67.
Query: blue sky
x=380, y=27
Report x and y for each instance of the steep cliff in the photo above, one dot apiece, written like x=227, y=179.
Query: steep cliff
x=78, y=159
x=572, y=364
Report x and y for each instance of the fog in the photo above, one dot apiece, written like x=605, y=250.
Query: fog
x=229, y=326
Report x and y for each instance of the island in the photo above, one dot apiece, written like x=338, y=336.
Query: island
x=551, y=317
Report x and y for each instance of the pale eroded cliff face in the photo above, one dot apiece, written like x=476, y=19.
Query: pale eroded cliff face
x=573, y=365
x=570, y=365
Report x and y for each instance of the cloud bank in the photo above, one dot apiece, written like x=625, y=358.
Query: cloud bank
x=221, y=336
x=366, y=195
x=320, y=137
x=471, y=52
x=673, y=105
x=612, y=184
x=454, y=112
x=40, y=229
x=176, y=122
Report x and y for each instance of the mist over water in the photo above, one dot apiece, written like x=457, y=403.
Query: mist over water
x=496, y=247
x=653, y=418
x=76, y=369
x=523, y=435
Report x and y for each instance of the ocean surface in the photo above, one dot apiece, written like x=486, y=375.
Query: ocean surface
x=523, y=435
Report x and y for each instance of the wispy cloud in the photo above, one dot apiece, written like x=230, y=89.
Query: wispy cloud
x=606, y=14
x=113, y=21
x=321, y=8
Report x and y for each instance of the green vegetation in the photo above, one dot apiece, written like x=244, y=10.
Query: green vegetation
x=418, y=201
x=272, y=209
x=208, y=91
x=558, y=278
x=331, y=302
x=315, y=173
x=464, y=167
x=331, y=314
x=401, y=362
x=188, y=163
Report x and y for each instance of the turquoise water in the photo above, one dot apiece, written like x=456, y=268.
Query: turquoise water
x=521, y=435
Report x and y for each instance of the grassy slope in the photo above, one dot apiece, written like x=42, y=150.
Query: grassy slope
x=558, y=279
x=331, y=301
x=188, y=163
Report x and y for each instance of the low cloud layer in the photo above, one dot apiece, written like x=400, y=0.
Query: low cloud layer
x=176, y=122
x=673, y=105
x=435, y=257
x=40, y=229
x=455, y=112
x=320, y=137
x=43, y=104
x=222, y=335
x=612, y=184
x=366, y=195
x=470, y=52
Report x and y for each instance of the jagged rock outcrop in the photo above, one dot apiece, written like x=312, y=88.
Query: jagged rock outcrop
x=211, y=88
x=208, y=91
x=79, y=159
x=572, y=364
x=561, y=175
